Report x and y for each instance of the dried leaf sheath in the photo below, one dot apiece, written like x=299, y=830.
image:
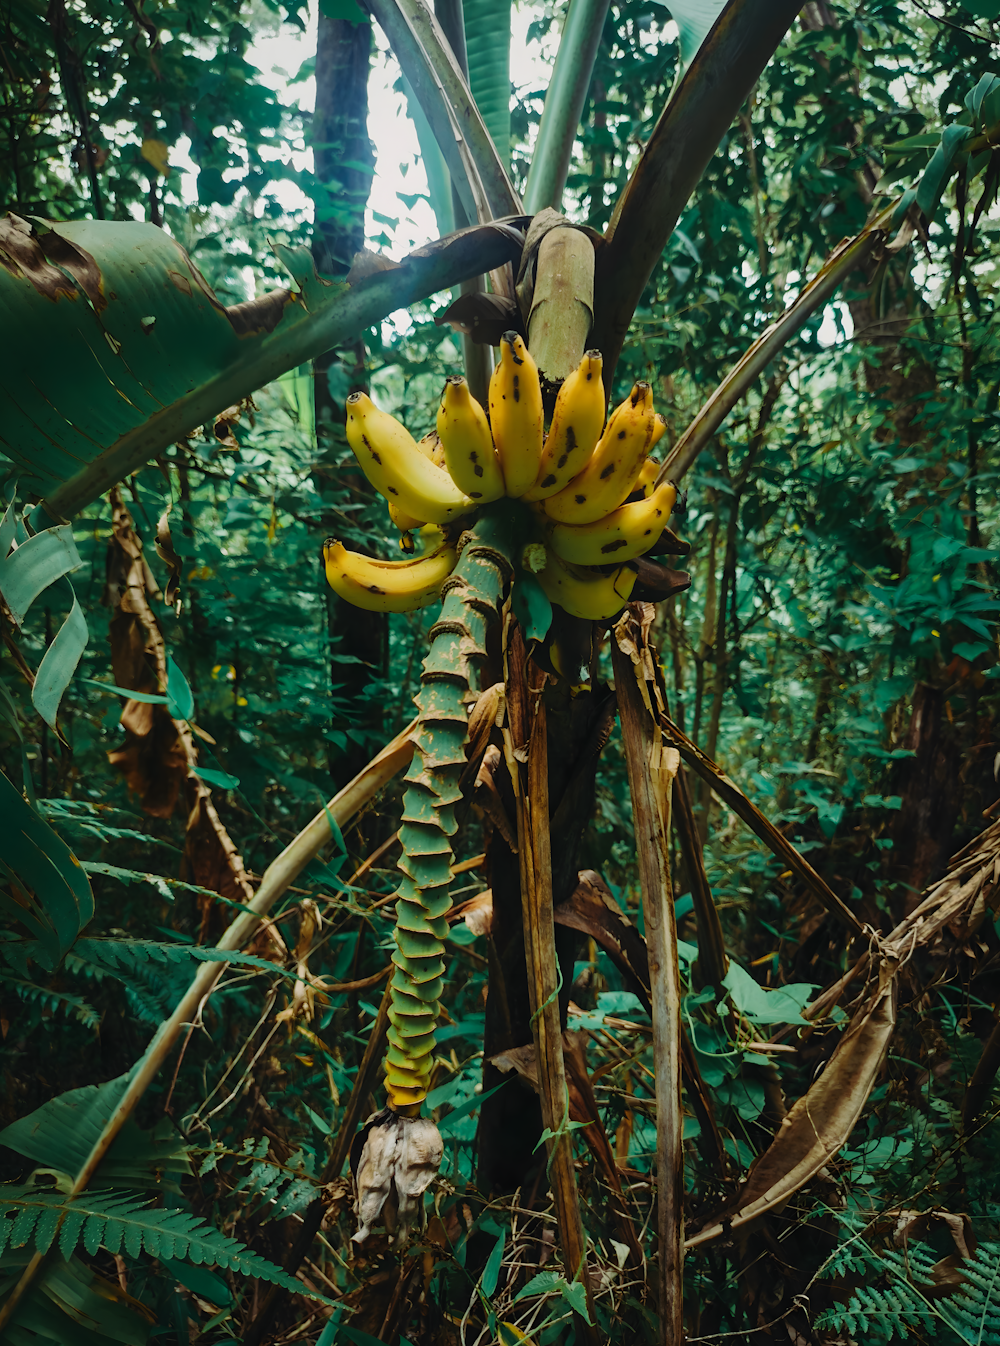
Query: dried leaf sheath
x=472, y=595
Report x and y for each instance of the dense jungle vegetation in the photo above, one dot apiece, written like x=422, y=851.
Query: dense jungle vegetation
x=835, y=653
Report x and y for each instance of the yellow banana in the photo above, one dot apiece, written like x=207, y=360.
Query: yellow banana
x=643, y=482
x=587, y=594
x=387, y=586
x=431, y=447
x=614, y=465
x=394, y=464
x=467, y=443
x=623, y=534
x=516, y=416
x=577, y=422
x=659, y=430
x=403, y=521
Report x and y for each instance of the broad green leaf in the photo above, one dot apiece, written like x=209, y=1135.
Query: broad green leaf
x=937, y=172
x=123, y=347
x=694, y=20
x=35, y=565
x=199, y=1280
x=60, y=661
x=61, y=1133
x=56, y=898
x=576, y=1297
x=180, y=698
x=491, y=1274
x=545, y=1283
x=70, y=1305
x=781, y=1006
x=148, y=698
x=222, y=780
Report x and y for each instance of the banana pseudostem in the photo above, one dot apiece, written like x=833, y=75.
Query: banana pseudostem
x=472, y=597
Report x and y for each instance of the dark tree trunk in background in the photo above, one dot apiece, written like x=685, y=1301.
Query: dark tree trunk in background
x=344, y=163
x=511, y=1121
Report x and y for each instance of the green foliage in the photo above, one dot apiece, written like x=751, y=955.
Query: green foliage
x=843, y=523
x=109, y=1220
x=900, y=1294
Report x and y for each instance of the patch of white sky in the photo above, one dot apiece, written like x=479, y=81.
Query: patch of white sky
x=399, y=217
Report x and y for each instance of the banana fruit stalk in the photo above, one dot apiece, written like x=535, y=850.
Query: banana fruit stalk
x=387, y=586
x=591, y=511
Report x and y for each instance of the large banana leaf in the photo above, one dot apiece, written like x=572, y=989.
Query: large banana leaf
x=687, y=134
x=487, y=41
x=61, y=1133
x=122, y=348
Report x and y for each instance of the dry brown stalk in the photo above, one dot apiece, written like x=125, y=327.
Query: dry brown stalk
x=526, y=748
x=651, y=772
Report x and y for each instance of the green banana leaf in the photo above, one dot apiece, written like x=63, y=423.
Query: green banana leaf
x=122, y=347
x=61, y=1134
x=487, y=40
x=54, y=897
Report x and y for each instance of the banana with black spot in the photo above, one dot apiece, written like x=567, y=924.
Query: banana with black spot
x=608, y=477
x=469, y=455
x=627, y=532
x=516, y=415
x=577, y=422
x=387, y=586
x=393, y=462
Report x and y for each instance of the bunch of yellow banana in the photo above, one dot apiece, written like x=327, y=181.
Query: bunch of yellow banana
x=594, y=504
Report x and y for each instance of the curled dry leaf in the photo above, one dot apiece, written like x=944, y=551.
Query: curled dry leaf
x=398, y=1161
x=820, y=1123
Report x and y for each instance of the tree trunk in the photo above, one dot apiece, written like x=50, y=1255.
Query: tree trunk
x=344, y=163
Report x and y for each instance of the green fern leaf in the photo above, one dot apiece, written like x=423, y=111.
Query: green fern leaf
x=116, y=1221
x=117, y=956
x=53, y=1000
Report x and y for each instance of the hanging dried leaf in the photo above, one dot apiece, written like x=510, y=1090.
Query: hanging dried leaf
x=820, y=1123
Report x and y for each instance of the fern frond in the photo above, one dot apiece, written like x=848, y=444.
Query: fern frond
x=53, y=1000
x=118, y=1222
x=115, y=957
x=974, y=1312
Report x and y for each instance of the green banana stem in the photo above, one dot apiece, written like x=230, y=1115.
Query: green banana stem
x=472, y=597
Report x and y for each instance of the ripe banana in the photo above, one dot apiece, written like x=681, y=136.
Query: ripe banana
x=394, y=464
x=643, y=482
x=516, y=416
x=468, y=445
x=387, y=586
x=403, y=521
x=659, y=430
x=587, y=594
x=625, y=533
x=431, y=447
x=614, y=465
x=577, y=422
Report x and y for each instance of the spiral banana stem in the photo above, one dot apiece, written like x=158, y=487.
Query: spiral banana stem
x=471, y=600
